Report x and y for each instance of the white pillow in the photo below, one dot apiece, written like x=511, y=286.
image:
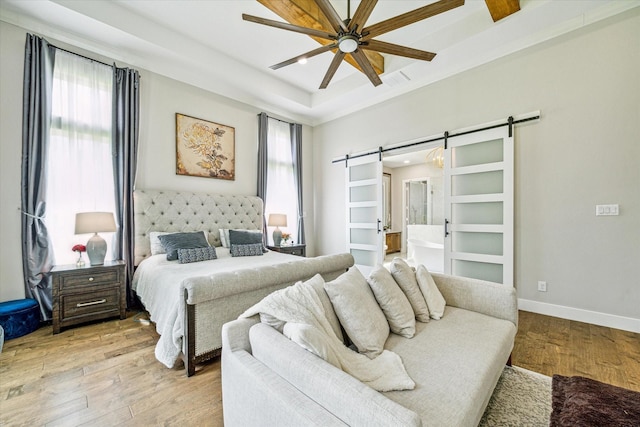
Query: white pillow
x=406, y=279
x=393, y=301
x=156, y=245
x=435, y=300
x=311, y=340
x=224, y=237
x=358, y=311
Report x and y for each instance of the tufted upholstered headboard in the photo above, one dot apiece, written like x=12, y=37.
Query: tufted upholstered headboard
x=159, y=210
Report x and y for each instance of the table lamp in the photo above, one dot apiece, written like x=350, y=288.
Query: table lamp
x=277, y=220
x=95, y=222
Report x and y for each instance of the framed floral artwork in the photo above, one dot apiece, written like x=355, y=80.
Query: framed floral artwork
x=204, y=148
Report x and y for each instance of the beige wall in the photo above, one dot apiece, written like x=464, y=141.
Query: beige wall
x=584, y=151
x=161, y=98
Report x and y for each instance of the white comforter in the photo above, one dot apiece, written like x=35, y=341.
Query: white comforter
x=157, y=282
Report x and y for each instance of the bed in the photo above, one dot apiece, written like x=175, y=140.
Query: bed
x=190, y=302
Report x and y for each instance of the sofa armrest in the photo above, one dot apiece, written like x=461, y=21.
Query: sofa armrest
x=254, y=395
x=493, y=299
x=235, y=334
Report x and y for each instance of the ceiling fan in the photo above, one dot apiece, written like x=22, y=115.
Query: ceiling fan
x=351, y=37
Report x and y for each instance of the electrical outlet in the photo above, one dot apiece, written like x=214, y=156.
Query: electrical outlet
x=542, y=286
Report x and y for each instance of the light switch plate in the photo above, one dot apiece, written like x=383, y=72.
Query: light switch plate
x=604, y=210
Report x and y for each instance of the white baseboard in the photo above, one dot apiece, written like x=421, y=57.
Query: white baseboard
x=602, y=319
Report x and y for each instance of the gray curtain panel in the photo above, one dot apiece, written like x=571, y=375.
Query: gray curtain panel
x=263, y=159
x=296, y=155
x=126, y=115
x=37, y=253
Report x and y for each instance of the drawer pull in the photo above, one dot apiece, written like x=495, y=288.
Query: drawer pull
x=84, y=304
x=91, y=279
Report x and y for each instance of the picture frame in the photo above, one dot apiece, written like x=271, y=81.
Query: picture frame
x=204, y=148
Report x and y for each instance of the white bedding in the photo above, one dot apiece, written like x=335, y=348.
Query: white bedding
x=157, y=284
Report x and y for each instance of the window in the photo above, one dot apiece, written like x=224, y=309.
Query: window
x=80, y=169
x=282, y=196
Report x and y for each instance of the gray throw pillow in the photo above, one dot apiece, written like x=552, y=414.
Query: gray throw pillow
x=196, y=254
x=393, y=301
x=252, y=249
x=405, y=277
x=175, y=241
x=245, y=237
x=359, y=312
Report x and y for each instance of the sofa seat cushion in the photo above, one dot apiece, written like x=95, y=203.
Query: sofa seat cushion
x=455, y=362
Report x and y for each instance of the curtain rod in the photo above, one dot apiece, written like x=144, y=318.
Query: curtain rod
x=280, y=120
x=82, y=56
x=444, y=137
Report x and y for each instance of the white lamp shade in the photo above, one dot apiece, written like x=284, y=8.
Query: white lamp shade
x=277, y=220
x=94, y=222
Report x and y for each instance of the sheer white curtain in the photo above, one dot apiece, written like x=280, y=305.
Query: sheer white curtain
x=80, y=169
x=281, y=191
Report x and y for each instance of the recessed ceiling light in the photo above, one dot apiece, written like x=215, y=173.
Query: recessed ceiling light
x=406, y=161
x=302, y=61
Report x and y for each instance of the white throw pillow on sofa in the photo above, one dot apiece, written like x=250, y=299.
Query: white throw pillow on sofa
x=405, y=277
x=309, y=338
x=317, y=283
x=359, y=312
x=393, y=301
x=435, y=300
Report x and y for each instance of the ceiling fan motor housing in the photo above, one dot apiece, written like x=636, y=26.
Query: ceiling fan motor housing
x=348, y=43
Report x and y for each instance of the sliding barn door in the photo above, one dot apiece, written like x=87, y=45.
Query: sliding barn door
x=364, y=212
x=479, y=206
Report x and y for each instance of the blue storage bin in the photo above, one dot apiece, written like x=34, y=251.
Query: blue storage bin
x=19, y=317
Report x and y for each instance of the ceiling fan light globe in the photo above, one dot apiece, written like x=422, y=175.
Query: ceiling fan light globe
x=348, y=44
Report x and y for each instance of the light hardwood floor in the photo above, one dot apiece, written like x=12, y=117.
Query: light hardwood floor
x=106, y=373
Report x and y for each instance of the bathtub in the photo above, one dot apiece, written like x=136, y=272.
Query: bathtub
x=429, y=254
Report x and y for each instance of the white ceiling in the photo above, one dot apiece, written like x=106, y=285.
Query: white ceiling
x=207, y=44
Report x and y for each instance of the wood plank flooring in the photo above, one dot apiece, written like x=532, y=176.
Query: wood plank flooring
x=106, y=373
x=550, y=345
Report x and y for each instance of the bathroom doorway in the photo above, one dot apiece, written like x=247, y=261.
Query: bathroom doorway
x=418, y=216
x=423, y=204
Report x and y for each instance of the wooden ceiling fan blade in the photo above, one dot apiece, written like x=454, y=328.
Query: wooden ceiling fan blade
x=362, y=14
x=394, y=49
x=289, y=27
x=333, y=67
x=331, y=14
x=366, y=67
x=307, y=55
x=409, y=18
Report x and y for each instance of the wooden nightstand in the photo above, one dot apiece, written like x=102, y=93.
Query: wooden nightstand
x=300, y=250
x=83, y=294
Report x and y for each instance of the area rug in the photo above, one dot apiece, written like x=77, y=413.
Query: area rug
x=521, y=398
x=580, y=401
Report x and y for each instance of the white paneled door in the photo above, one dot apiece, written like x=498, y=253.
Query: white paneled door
x=364, y=212
x=479, y=205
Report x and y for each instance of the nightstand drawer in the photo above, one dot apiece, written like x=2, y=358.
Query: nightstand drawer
x=68, y=281
x=295, y=251
x=91, y=303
